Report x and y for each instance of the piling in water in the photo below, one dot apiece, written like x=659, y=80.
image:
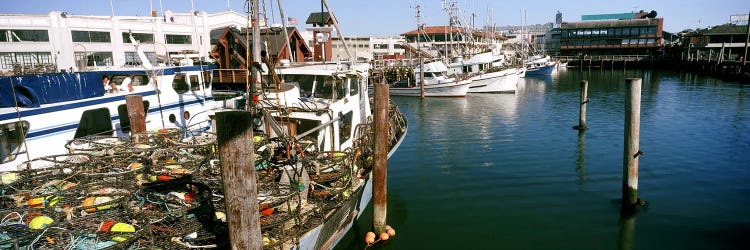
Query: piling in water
x=235, y=138
x=584, y=100
x=380, y=170
x=631, y=151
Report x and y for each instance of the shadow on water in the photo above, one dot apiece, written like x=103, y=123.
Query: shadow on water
x=581, y=159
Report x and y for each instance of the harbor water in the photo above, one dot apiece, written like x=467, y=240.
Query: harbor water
x=507, y=171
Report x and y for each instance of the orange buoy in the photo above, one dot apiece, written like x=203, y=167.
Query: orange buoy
x=384, y=236
x=370, y=238
x=391, y=232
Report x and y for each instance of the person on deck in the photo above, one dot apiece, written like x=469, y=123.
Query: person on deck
x=109, y=86
x=128, y=83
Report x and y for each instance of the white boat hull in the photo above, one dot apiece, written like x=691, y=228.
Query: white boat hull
x=450, y=89
x=495, y=82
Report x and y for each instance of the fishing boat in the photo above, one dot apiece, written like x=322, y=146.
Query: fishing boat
x=437, y=83
x=488, y=72
x=40, y=112
x=539, y=65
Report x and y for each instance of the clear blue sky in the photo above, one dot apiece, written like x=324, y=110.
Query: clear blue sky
x=392, y=17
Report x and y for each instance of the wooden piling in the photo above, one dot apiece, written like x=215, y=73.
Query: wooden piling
x=380, y=171
x=235, y=138
x=632, y=140
x=584, y=100
x=137, y=116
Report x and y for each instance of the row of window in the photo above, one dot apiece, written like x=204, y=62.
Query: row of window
x=609, y=32
x=85, y=36
x=25, y=59
x=28, y=59
x=641, y=42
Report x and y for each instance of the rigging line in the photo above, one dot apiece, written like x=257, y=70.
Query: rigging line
x=20, y=122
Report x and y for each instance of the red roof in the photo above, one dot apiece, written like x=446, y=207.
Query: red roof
x=436, y=30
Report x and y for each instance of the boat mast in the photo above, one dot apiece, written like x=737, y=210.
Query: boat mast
x=256, y=53
x=419, y=52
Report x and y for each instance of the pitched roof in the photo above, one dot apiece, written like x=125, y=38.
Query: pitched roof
x=316, y=17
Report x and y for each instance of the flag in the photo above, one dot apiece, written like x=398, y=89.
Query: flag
x=291, y=21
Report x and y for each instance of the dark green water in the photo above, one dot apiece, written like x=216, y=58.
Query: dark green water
x=506, y=171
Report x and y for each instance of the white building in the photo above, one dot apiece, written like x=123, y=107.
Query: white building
x=60, y=39
x=368, y=47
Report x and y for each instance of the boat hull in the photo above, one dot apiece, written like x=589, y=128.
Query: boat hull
x=544, y=70
x=497, y=82
x=451, y=89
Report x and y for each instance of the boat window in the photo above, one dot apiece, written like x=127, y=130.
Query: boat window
x=340, y=88
x=306, y=125
x=353, y=86
x=304, y=82
x=345, y=127
x=11, y=139
x=194, y=84
x=137, y=80
x=179, y=84
x=324, y=87
x=94, y=122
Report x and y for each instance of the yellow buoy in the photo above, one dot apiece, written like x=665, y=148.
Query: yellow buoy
x=120, y=227
x=40, y=222
x=8, y=178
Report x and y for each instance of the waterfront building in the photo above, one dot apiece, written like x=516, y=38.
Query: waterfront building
x=64, y=41
x=365, y=48
x=724, y=42
x=612, y=34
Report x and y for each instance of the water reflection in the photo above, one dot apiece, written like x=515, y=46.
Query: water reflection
x=581, y=158
x=626, y=234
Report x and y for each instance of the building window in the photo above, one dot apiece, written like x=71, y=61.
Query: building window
x=177, y=39
x=140, y=37
x=24, y=59
x=90, y=36
x=93, y=59
x=380, y=46
x=24, y=36
x=652, y=30
x=132, y=58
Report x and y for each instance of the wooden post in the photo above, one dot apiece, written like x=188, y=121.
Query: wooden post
x=137, y=116
x=235, y=138
x=380, y=171
x=584, y=100
x=632, y=140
